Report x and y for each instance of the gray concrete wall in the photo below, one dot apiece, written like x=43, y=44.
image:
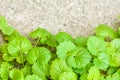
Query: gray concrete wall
x=77, y=17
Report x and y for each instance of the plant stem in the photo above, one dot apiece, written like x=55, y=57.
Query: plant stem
x=37, y=42
x=21, y=57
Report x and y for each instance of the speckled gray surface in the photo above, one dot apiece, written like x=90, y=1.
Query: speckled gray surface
x=77, y=17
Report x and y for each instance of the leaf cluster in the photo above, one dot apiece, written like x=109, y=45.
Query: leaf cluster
x=44, y=56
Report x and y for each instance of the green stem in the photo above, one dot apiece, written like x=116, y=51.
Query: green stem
x=21, y=55
x=37, y=42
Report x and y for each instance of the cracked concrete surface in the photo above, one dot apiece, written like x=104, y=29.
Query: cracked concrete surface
x=77, y=17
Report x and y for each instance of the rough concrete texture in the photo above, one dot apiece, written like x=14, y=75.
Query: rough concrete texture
x=77, y=17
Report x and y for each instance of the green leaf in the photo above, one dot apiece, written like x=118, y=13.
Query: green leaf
x=8, y=30
x=32, y=77
x=106, y=32
x=111, y=70
x=4, y=27
x=3, y=22
x=3, y=48
x=109, y=77
x=115, y=56
x=102, y=78
x=4, y=70
x=79, y=57
x=116, y=76
x=63, y=36
x=109, y=49
x=41, y=69
x=8, y=57
x=20, y=58
x=33, y=54
x=102, y=61
x=89, y=65
x=44, y=55
x=116, y=43
x=27, y=69
x=83, y=76
x=14, y=47
x=94, y=74
x=67, y=76
x=19, y=44
x=19, y=47
x=41, y=54
x=114, y=60
x=57, y=67
x=40, y=32
x=12, y=36
x=81, y=41
x=52, y=42
x=63, y=48
x=4, y=51
x=16, y=74
x=80, y=70
x=95, y=45
x=44, y=37
x=117, y=69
